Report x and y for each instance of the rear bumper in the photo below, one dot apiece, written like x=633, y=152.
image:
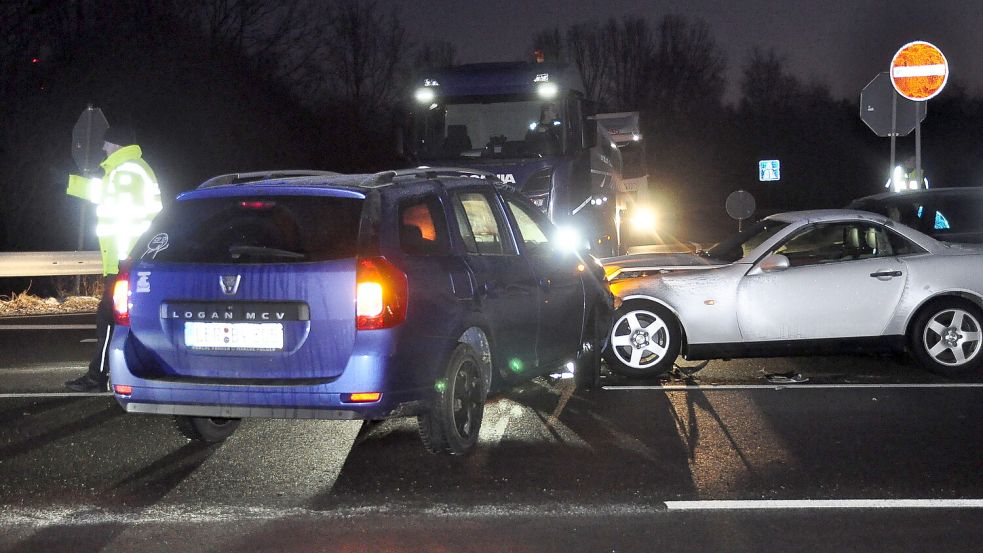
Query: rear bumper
x=371, y=371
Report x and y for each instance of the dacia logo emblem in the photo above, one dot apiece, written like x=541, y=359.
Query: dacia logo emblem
x=229, y=284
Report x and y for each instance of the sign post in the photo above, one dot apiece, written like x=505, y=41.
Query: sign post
x=919, y=72
x=740, y=205
x=87, y=152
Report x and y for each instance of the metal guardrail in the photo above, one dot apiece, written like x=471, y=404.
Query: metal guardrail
x=35, y=264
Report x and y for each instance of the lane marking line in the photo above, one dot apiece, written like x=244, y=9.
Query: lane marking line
x=55, y=394
x=47, y=327
x=775, y=504
x=724, y=387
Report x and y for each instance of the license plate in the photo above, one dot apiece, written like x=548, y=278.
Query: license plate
x=234, y=336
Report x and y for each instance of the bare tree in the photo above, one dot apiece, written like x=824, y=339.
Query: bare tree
x=549, y=42
x=590, y=53
x=632, y=47
x=688, y=67
x=364, y=53
x=766, y=86
x=435, y=54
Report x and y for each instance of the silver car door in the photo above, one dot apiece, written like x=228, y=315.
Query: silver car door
x=842, y=281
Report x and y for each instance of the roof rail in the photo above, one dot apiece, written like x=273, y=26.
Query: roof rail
x=387, y=177
x=243, y=178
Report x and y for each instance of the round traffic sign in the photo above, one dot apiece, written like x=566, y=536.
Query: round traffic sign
x=919, y=71
x=740, y=205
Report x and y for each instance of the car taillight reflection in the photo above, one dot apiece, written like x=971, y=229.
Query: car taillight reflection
x=121, y=299
x=380, y=294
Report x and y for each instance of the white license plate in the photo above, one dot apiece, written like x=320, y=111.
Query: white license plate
x=234, y=336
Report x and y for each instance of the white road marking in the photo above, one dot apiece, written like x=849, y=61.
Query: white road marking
x=785, y=504
x=47, y=327
x=84, y=515
x=724, y=387
x=935, y=70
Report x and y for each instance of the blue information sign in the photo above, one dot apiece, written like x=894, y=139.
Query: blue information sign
x=769, y=170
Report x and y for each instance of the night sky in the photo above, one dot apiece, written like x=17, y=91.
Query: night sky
x=844, y=43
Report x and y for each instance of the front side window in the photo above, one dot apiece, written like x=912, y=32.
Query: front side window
x=834, y=242
x=482, y=230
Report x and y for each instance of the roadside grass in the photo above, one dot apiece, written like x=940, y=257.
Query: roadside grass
x=66, y=301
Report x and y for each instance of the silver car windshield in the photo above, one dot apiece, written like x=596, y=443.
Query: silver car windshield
x=742, y=243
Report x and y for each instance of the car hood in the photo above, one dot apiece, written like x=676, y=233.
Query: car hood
x=657, y=261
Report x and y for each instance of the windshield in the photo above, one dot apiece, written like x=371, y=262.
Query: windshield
x=742, y=243
x=502, y=128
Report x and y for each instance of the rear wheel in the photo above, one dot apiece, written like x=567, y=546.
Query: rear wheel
x=452, y=424
x=644, y=340
x=206, y=429
x=947, y=337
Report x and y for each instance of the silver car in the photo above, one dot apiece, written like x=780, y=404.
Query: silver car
x=801, y=283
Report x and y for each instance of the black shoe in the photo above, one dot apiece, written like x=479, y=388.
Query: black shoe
x=86, y=383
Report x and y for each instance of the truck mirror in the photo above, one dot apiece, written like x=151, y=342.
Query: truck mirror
x=588, y=136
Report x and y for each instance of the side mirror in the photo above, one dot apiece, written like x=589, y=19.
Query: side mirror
x=588, y=136
x=773, y=263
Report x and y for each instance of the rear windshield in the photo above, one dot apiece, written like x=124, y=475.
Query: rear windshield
x=277, y=229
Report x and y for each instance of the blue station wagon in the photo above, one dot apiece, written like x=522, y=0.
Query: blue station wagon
x=326, y=296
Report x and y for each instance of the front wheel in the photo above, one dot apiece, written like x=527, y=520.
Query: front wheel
x=206, y=429
x=587, y=371
x=452, y=424
x=644, y=340
x=946, y=337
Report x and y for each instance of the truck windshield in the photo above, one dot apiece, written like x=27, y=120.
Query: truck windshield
x=502, y=128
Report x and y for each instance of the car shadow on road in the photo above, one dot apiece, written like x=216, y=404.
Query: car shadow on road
x=538, y=443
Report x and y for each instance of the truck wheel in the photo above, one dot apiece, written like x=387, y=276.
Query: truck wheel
x=946, y=337
x=206, y=429
x=451, y=426
x=644, y=340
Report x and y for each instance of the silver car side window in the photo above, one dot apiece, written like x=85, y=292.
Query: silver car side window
x=836, y=242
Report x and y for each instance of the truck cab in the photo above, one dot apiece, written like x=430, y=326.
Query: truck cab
x=530, y=125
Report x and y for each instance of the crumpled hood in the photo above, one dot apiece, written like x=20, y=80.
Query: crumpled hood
x=657, y=261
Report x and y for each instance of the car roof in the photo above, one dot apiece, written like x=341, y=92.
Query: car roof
x=822, y=215
x=949, y=191
x=306, y=182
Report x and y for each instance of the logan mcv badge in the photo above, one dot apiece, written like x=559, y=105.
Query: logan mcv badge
x=229, y=284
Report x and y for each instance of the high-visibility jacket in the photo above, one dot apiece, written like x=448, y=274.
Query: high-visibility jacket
x=127, y=198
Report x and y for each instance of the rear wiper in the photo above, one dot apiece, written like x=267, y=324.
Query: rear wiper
x=237, y=251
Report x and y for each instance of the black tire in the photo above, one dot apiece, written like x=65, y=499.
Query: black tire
x=206, y=429
x=664, y=339
x=587, y=372
x=453, y=421
x=947, y=337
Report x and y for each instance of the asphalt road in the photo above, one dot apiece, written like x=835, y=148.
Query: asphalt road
x=868, y=454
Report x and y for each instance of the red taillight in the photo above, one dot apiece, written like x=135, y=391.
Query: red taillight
x=123, y=389
x=361, y=397
x=380, y=294
x=121, y=298
x=257, y=205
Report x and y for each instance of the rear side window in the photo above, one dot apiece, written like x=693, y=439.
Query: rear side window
x=422, y=229
x=275, y=229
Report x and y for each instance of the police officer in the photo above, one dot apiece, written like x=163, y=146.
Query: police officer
x=127, y=198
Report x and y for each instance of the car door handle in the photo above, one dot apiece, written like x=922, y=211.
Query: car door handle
x=886, y=274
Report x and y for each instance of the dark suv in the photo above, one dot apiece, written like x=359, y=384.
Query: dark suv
x=946, y=214
x=331, y=296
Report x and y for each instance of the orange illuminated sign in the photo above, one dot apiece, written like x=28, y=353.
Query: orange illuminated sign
x=919, y=71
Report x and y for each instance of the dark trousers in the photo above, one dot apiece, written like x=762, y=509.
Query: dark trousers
x=105, y=318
